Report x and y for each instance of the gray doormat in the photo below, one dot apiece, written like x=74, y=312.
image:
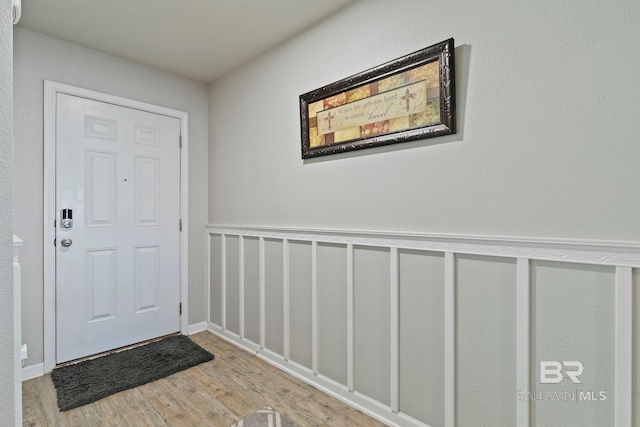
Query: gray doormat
x=91, y=380
x=266, y=417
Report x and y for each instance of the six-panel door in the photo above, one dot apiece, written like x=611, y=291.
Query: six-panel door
x=118, y=170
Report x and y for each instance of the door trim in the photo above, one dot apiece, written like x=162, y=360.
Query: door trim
x=51, y=89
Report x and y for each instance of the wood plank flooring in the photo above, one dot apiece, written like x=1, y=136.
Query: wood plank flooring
x=217, y=394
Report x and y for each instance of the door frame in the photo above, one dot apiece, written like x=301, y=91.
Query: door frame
x=51, y=89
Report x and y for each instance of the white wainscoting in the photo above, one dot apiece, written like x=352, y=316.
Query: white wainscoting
x=621, y=257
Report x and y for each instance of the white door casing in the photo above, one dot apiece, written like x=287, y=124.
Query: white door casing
x=125, y=234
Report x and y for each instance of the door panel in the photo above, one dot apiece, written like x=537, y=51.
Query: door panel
x=146, y=282
x=147, y=190
x=118, y=170
x=100, y=190
x=100, y=285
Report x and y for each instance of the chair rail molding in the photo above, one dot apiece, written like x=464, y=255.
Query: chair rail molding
x=596, y=252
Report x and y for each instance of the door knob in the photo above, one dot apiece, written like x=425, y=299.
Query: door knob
x=66, y=242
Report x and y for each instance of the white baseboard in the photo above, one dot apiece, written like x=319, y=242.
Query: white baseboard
x=32, y=371
x=197, y=327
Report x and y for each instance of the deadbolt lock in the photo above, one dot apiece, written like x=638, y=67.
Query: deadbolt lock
x=66, y=218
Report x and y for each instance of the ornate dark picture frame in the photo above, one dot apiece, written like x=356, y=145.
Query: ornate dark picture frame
x=409, y=98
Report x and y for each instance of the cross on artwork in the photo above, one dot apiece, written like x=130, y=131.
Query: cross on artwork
x=407, y=98
x=329, y=118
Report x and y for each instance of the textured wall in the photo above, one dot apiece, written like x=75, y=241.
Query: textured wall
x=7, y=402
x=574, y=320
x=546, y=147
x=486, y=341
x=547, y=140
x=39, y=57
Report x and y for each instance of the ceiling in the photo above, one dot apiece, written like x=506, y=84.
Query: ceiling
x=196, y=39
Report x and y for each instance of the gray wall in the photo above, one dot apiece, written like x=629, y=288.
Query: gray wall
x=547, y=140
x=546, y=147
x=38, y=57
x=581, y=299
x=7, y=397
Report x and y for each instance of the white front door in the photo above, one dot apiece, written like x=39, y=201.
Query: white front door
x=117, y=266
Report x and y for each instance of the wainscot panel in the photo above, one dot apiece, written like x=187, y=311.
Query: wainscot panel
x=426, y=330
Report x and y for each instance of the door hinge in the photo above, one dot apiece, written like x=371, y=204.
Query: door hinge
x=180, y=224
x=54, y=242
x=180, y=141
x=180, y=308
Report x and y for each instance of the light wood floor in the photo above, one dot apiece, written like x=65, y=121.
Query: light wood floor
x=217, y=393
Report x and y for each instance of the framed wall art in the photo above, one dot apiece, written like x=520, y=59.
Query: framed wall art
x=409, y=98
